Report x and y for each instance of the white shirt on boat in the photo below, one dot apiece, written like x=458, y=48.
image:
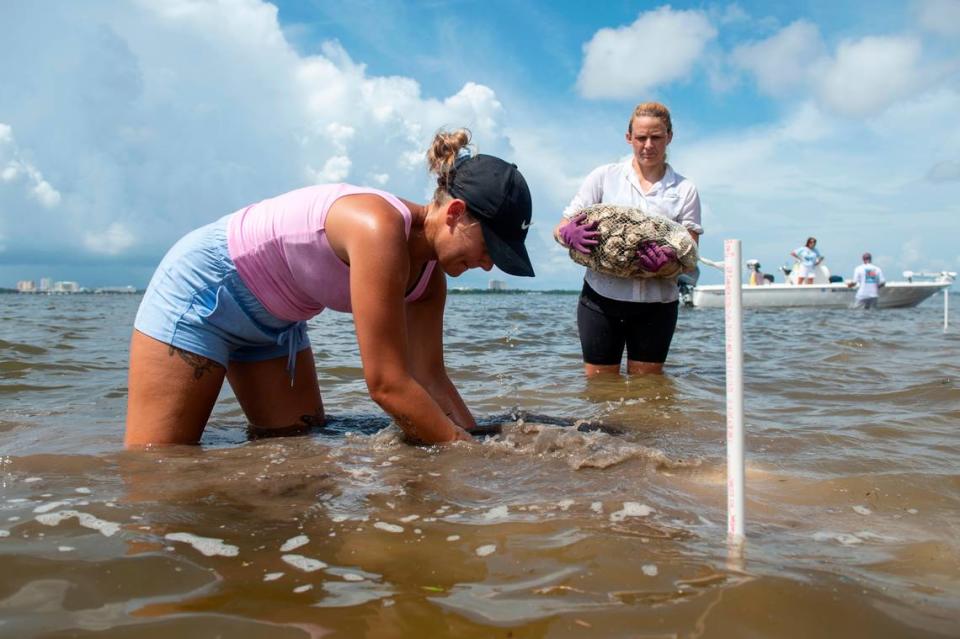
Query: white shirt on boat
x=869, y=279
x=674, y=197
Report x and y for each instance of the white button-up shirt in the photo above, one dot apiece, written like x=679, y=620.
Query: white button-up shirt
x=674, y=197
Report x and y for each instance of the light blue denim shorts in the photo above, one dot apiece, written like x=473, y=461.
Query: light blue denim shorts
x=197, y=302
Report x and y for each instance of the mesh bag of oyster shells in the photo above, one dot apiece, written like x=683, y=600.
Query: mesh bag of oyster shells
x=622, y=229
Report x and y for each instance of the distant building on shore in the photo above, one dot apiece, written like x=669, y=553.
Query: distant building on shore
x=116, y=289
x=497, y=285
x=65, y=287
x=49, y=287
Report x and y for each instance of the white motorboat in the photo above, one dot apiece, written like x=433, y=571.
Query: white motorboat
x=823, y=293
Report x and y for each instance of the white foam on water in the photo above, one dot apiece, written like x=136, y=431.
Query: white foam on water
x=65, y=548
x=597, y=507
x=306, y=564
x=82, y=490
x=294, y=542
x=631, y=509
x=208, y=546
x=498, y=512
x=14, y=518
x=488, y=549
x=453, y=538
x=862, y=510
x=409, y=518
x=867, y=535
x=847, y=539
x=4, y=533
x=912, y=511
x=30, y=480
x=565, y=504
x=393, y=528
x=650, y=570
x=580, y=450
x=349, y=576
x=45, y=508
x=16, y=500
x=272, y=576
x=303, y=588
x=106, y=528
x=339, y=518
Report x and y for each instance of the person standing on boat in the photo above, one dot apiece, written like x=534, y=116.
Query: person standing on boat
x=809, y=258
x=756, y=275
x=868, y=278
x=231, y=300
x=614, y=312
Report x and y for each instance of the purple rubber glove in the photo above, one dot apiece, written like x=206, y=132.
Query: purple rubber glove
x=578, y=235
x=652, y=257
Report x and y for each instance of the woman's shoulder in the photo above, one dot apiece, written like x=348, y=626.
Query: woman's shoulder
x=681, y=181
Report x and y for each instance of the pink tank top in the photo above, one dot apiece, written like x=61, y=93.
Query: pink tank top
x=281, y=252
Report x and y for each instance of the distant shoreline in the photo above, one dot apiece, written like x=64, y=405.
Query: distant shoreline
x=451, y=291
x=13, y=291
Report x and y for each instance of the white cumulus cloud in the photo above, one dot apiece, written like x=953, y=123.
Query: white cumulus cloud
x=784, y=62
x=939, y=16
x=152, y=119
x=336, y=169
x=861, y=77
x=660, y=47
x=113, y=240
x=15, y=169
x=869, y=74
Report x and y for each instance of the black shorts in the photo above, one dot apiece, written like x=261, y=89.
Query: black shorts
x=605, y=325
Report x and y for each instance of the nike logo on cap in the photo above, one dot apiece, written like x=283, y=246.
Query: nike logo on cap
x=525, y=225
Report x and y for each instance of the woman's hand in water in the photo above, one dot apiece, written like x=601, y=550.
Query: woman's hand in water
x=579, y=234
x=652, y=257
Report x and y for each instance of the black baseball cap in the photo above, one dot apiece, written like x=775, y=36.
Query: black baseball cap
x=867, y=257
x=497, y=196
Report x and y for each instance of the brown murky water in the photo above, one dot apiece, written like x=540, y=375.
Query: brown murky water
x=598, y=512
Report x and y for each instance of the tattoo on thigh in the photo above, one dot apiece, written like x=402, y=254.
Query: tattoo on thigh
x=199, y=363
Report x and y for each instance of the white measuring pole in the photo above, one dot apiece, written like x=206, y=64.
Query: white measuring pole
x=946, y=300
x=733, y=315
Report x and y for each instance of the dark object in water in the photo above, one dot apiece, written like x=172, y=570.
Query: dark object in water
x=494, y=425
x=591, y=426
x=488, y=429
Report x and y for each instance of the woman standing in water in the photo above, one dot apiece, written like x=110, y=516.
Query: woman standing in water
x=614, y=312
x=231, y=299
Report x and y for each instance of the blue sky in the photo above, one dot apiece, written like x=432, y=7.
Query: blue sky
x=124, y=125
